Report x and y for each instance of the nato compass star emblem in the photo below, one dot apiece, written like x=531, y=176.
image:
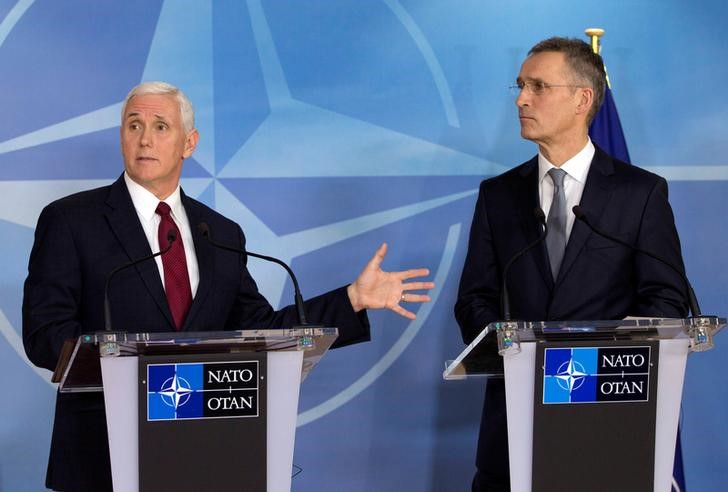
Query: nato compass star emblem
x=570, y=375
x=271, y=147
x=175, y=392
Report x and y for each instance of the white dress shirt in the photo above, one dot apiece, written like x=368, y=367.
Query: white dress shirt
x=145, y=204
x=577, y=169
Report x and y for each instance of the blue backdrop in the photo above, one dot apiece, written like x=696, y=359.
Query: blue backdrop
x=331, y=126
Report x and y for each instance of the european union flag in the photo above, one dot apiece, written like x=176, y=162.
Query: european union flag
x=606, y=130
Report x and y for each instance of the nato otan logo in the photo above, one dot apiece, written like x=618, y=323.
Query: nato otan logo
x=202, y=390
x=596, y=375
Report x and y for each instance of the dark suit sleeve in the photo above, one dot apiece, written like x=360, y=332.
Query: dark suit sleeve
x=52, y=291
x=332, y=309
x=660, y=291
x=478, y=301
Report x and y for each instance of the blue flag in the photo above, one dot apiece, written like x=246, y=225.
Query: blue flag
x=606, y=132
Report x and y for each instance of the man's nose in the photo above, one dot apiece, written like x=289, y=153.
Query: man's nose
x=146, y=139
x=523, y=97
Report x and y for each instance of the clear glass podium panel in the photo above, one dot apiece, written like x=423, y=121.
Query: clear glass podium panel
x=79, y=368
x=482, y=358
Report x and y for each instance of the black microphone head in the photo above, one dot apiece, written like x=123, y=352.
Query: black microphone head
x=578, y=212
x=204, y=229
x=538, y=213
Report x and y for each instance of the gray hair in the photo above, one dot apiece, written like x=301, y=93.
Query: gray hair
x=156, y=87
x=583, y=62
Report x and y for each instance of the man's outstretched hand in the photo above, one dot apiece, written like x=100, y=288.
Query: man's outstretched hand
x=377, y=289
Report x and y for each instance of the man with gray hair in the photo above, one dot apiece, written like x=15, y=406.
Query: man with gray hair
x=574, y=274
x=194, y=286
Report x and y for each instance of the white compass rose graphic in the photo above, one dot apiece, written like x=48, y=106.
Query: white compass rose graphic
x=175, y=392
x=570, y=375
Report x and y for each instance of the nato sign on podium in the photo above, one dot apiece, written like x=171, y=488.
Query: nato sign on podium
x=198, y=411
x=592, y=405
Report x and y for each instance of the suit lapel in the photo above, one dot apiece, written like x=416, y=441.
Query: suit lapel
x=527, y=200
x=204, y=252
x=597, y=191
x=124, y=223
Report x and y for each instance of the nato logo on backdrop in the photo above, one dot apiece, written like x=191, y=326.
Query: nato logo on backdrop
x=596, y=375
x=202, y=390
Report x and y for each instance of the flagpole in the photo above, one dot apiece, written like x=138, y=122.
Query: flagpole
x=595, y=34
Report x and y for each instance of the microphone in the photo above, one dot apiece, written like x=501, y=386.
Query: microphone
x=204, y=229
x=505, y=302
x=692, y=299
x=171, y=238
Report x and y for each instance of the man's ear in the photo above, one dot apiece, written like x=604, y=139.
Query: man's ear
x=586, y=100
x=193, y=137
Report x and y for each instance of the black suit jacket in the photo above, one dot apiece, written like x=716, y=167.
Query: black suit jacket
x=598, y=279
x=78, y=241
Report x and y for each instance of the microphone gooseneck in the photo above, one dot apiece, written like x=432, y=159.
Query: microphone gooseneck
x=171, y=238
x=204, y=229
x=692, y=299
x=505, y=301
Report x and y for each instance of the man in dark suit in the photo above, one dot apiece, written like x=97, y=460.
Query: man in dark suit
x=81, y=238
x=574, y=274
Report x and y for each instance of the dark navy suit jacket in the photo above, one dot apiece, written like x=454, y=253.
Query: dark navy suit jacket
x=78, y=241
x=598, y=279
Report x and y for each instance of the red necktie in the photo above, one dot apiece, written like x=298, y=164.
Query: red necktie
x=176, y=278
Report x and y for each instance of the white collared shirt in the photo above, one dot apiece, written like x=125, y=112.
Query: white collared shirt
x=145, y=204
x=577, y=169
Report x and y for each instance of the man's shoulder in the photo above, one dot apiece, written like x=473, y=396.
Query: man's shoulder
x=635, y=171
x=629, y=173
x=83, y=199
x=196, y=210
x=515, y=175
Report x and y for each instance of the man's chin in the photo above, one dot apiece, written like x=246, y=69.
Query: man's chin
x=526, y=134
x=146, y=181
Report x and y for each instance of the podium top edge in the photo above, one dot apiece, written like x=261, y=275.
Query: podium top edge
x=630, y=323
x=187, y=337
x=483, y=357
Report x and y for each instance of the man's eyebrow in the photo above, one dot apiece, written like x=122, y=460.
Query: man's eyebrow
x=529, y=79
x=157, y=116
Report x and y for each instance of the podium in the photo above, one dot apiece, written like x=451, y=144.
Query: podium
x=197, y=411
x=592, y=405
